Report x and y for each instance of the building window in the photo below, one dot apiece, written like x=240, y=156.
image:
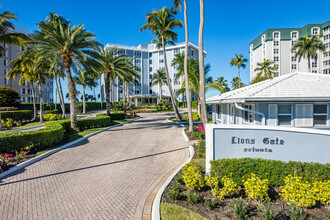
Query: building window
x=120, y=91
x=5, y=62
x=192, y=53
x=276, y=59
x=150, y=76
x=276, y=43
x=284, y=114
x=320, y=114
x=276, y=35
x=150, y=61
x=161, y=52
x=314, y=64
x=161, y=61
x=219, y=110
x=137, y=61
x=293, y=59
x=150, y=84
x=137, y=91
x=5, y=53
x=315, y=31
x=150, y=54
x=6, y=81
x=293, y=66
x=294, y=35
x=248, y=116
x=5, y=71
x=150, y=69
x=276, y=65
x=276, y=51
x=176, y=82
x=137, y=54
x=23, y=90
x=176, y=51
x=150, y=91
x=314, y=71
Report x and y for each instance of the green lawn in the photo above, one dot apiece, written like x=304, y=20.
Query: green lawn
x=171, y=211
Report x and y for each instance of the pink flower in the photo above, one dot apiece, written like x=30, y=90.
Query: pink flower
x=201, y=128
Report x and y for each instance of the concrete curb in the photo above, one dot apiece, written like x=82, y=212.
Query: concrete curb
x=42, y=156
x=155, y=215
x=23, y=129
x=183, y=122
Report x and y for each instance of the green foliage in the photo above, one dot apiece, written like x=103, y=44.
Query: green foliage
x=194, y=105
x=240, y=209
x=51, y=117
x=302, y=193
x=9, y=123
x=55, y=111
x=266, y=212
x=118, y=116
x=18, y=115
x=197, y=134
x=173, y=193
x=9, y=97
x=213, y=183
x=296, y=213
x=229, y=187
x=97, y=122
x=201, y=149
x=210, y=203
x=273, y=170
x=192, y=197
x=192, y=177
x=256, y=188
x=178, y=178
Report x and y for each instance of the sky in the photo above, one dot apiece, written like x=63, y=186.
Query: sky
x=230, y=26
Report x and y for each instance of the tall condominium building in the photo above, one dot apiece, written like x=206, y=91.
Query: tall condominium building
x=12, y=52
x=276, y=44
x=149, y=59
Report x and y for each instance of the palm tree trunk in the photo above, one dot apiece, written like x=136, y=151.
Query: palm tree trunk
x=199, y=106
x=309, y=64
x=239, y=77
x=72, y=95
x=41, y=99
x=62, y=97
x=107, y=92
x=34, y=102
x=188, y=95
x=201, y=63
x=112, y=94
x=169, y=83
x=128, y=100
x=84, y=101
x=124, y=95
x=160, y=92
x=101, y=94
x=58, y=93
x=56, y=96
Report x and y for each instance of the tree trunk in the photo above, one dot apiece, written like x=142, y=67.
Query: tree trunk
x=56, y=95
x=160, y=92
x=62, y=97
x=107, y=92
x=124, y=95
x=169, y=83
x=199, y=106
x=201, y=63
x=41, y=99
x=72, y=93
x=188, y=94
x=84, y=101
x=34, y=102
x=112, y=94
x=309, y=64
x=101, y=93
x=239, y=77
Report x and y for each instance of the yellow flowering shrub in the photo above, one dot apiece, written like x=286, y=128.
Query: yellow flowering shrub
x=322, y=191
x=256, y=188
x=298, y=192
x=212, y=182
x=229, y=186
x=192, y=177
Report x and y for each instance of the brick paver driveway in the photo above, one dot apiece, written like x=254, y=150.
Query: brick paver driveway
x=112, y=175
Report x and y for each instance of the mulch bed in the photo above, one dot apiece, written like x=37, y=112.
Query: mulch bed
x=223, y=209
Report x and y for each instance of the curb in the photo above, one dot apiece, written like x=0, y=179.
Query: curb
x=22, y=129
x=42, y=156
x=183, y=122
x=155, y=215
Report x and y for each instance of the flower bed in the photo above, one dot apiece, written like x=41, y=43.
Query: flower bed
x=141, y=111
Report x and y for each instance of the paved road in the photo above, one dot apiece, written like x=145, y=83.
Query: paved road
x=112, y=175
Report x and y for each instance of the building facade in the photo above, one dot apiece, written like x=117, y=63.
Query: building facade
x=276, y=44
x=12, y=52
x=149, y=59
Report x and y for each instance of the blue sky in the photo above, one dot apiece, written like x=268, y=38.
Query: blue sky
x=229, y=25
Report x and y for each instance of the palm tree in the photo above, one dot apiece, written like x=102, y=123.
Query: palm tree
x=73, y=45
x=236, y=83
x=239, y=61
x=308, y=47
x=220, y=85
x=159, y=78
x=162, y=24
x=111, y=65
x=7, y=33
x=86, y=79
x=266, y=70
x=177, y=4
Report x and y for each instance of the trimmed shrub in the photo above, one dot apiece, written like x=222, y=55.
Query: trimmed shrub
x=273, y=170
x=201, y=149
x=192, y=177
x=256, y=188
x=118, y=116
x=51, y=117
x=9, y=97
x=19, y=115
x=229, y=187
x=55, y=111
x=99, y=121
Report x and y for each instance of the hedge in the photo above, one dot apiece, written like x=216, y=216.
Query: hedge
x=52, y=134
x=273, y=170
x=18, y=115
x=117, y=116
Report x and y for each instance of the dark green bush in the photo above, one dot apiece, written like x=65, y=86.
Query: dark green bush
x=273, y=170
x=9, y=97
x=18, y=115
x=118, y=116
x=99, y=121
x=55, y=111
x=201, y=149
x=43, y=138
